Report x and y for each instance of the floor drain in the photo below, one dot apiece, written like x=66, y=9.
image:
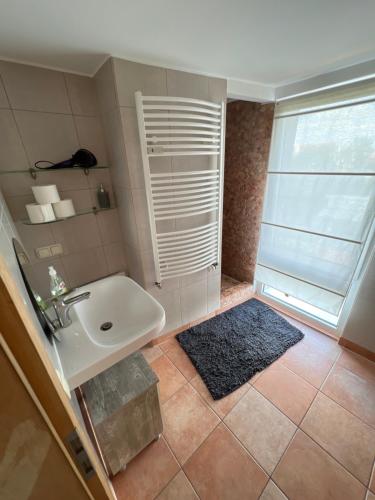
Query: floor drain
x=106, y=326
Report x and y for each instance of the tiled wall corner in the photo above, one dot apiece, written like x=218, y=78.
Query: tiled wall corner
x=48, y=115
x=178, y=295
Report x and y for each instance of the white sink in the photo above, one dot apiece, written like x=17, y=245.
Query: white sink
x=118, y=311
x=87, y=347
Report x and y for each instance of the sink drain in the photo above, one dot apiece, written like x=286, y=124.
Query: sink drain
x=106, y=326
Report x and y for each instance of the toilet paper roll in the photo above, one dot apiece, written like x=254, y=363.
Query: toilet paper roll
x=40, y=213
x=46, y=194
x=63, y=209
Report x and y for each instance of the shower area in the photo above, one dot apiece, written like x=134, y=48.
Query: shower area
x=248, y=138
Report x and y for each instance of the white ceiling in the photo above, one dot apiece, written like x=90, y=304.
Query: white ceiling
x=271, y=42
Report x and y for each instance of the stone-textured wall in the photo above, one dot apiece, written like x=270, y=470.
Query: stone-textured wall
x=248, y=137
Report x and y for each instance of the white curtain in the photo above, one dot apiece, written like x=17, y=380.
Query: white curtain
x=319, y=200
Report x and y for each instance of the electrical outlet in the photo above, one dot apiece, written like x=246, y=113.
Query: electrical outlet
x=56, y=249
x=43, y=252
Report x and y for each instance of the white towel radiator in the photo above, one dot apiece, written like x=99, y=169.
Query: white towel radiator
x=177, y=126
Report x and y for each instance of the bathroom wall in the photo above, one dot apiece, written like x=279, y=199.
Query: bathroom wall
x=8, y=231
x=248, y=137
x=188, y=298
x=48, y=115
x=359, y=327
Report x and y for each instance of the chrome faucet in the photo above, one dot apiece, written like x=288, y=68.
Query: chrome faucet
x=62, y=308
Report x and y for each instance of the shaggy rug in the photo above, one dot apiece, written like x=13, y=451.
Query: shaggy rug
x=228, y=349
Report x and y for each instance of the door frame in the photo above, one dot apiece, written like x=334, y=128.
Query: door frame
x=24, y=345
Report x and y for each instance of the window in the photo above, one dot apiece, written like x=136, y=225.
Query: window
x=319, y=203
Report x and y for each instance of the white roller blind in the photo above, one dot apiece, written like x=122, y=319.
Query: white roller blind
x=319, y=200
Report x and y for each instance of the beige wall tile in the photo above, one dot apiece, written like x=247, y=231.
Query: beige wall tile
x=77, y=234
x=132, y=147
x=115, y=257
x=85, y=266
x=140, y=207
x=18, y=184
x=38, y=277
x=35, y=89
x=81, y=198
x=194, y=301
x=134, y=264
x=12, y=153
x=65, y=180
x=183, y=84
x=109, y=226
x=17, y=205
x=131, y=76
x=34, y=237
x=217, y=89
x=127, y=217
x=148, y=268
x=82, y=95
x=91, y=137
x=105, y=87
x=47, y=136
x=4, y=103
x=116, y=148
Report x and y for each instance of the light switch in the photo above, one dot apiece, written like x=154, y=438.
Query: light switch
x=43, y=252
x=56, y=249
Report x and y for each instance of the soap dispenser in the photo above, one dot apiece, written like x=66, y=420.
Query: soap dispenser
x=57, y=285
x=103, y=197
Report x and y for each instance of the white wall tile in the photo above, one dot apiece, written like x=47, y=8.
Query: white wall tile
x=171, y=302
x=194, y=301
x=131, y=76
x=213, y=291
x=35, y=89
x=47, y=136
x=12, y=153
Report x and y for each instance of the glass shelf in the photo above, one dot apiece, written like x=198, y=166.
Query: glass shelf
x=92, y=210
x=35, y=171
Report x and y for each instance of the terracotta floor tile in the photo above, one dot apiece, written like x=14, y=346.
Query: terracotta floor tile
x=358, y=365
x=272, y=492
x=151, y=353
x=261, y=427
x=372, y=482
x=170, y=379
x=307, y=472
x=188, y=420
x=147, y=474
x=167, y=344
x=353, y=392
x=289, y=392
x=350, y=441
x=222, y=469
x=310, y=361
x=222, y=406
x=178, y=489
x=179, y=358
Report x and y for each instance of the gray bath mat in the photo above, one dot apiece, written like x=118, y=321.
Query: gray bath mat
x=228, y=349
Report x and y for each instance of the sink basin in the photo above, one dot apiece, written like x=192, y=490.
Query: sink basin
x=118, y=310
x=118, y=319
